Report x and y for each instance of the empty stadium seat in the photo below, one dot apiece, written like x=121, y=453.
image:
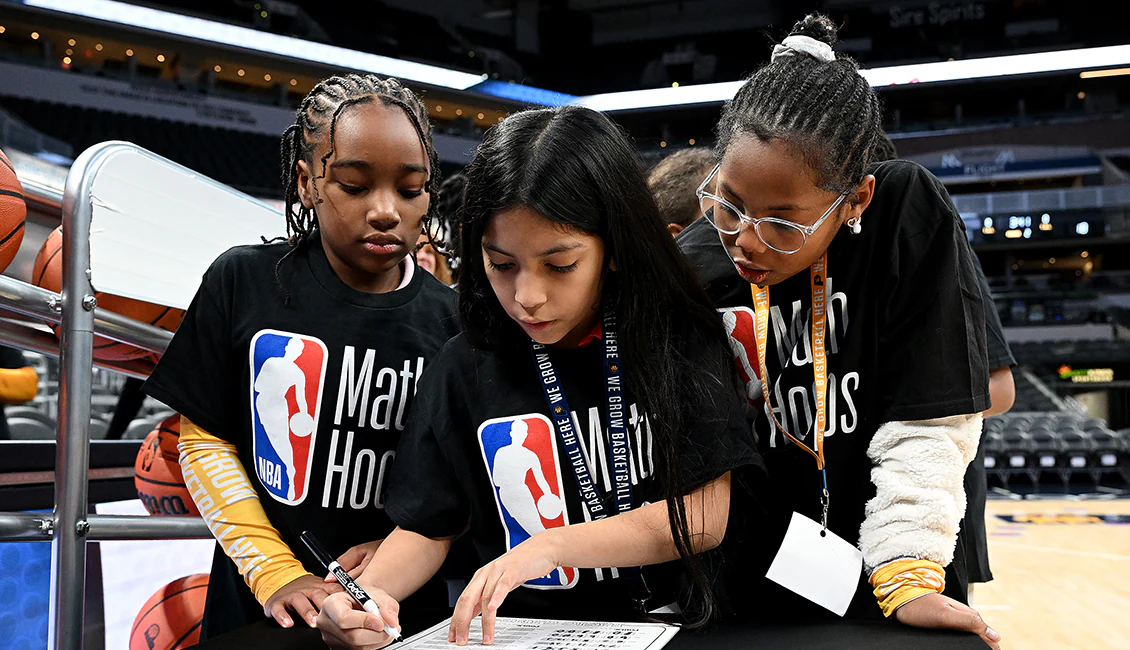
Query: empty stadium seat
x=1108, y=450
x=1077, y=449
x=1017, y=450
x=1046, y=447
x=27, y=429
x=138, y=429
x=98, y=429
x=991, y=441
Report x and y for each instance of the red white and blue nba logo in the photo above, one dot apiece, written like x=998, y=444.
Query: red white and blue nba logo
x=741, y=328
x=521, y=457
x=287, y=374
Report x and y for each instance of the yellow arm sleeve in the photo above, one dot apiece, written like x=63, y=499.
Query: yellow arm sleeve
x=223, y=493
x=18, y=385
x=901, y=581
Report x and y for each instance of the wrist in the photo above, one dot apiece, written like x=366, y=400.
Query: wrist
x=368, y=583
x=549, y=544
x=899, y=582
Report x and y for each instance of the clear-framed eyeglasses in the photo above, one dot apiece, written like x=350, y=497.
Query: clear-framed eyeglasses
x=781, y=235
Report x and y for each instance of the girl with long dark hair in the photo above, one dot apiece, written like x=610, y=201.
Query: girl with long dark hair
x=586, y=422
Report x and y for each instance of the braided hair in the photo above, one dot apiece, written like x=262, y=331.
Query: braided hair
x=316, y=118
x=451, y=195
x=825, y=109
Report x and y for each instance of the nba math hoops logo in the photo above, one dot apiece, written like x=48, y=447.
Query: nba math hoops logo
x=741, y=329
x=521, y=457
x=287, y=374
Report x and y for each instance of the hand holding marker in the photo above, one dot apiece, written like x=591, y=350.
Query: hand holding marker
x=347, y=582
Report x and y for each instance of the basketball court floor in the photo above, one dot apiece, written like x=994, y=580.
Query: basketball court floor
x=1062, y=573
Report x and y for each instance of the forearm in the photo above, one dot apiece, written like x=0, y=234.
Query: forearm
x=222, y=491
x=642, y=536
x=919, y=495
x=405, y=562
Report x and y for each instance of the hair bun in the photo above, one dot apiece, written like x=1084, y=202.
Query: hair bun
x=817, y=26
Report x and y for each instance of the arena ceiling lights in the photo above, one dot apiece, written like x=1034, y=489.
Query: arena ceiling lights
x=899, y=75
x=166, y=22
x=210, y=31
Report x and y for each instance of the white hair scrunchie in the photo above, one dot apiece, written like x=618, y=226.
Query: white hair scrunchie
x=800, y=43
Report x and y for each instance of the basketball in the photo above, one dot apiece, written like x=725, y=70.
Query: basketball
x=549, y=506
x=157, y=474
x=301, y=424
x=47, y=273
x=13, y=211
x=172, y=617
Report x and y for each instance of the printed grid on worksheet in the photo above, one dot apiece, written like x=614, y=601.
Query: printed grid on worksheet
x=535, y=634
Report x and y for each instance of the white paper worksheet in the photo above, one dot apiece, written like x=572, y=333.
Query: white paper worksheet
x=541, y=634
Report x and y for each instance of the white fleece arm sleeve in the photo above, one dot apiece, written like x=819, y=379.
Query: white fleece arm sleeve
x=919, y=502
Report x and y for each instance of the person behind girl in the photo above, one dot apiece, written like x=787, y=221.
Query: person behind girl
x=446, y=232
x=593, y=378
x=668, y=180
x=431, y=260
x=297, y=361
x=896, y=343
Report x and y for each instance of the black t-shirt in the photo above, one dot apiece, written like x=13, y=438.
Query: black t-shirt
x=996, y=346
x=481, y=450
x=312, y=381
x=905, y=341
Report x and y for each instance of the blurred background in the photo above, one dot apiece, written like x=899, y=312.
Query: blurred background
x=1035, y=152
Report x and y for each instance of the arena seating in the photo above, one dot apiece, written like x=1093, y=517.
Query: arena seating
x=1029, y=397
x=1042, y=443
x=246, y=161
x=1078, y=353
x=36, y=420
x=1055, y=449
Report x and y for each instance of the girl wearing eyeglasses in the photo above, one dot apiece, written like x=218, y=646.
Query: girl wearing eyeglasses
x=849, y=293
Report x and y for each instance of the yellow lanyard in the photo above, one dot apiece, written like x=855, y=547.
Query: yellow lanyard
x=818, y=275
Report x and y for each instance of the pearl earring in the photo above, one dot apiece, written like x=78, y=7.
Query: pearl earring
x=855, y=226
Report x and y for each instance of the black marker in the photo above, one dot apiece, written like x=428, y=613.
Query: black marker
x=347, y=581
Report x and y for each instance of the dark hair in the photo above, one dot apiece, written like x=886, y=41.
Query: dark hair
x=575, y=167
x=316, y=118
x=674, y=180
x=825, y=109
x=885, y=149
x=451, y=195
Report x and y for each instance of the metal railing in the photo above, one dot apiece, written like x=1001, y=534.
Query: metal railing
x=70, y=526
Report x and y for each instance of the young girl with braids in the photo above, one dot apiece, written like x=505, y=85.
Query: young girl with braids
x=867, y=364
x=297, y=361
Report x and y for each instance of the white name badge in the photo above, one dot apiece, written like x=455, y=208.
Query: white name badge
x=822, y=568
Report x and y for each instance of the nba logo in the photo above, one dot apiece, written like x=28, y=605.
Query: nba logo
x=287, y=374
x=521, y=457
x=741, y=329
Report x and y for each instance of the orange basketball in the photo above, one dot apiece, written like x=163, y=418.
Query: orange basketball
x=157, y=475
x=48, y=274
x=171, y=618
x=13, y=212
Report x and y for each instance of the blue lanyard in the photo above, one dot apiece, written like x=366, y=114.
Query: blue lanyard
x=618, y=441
x=619, y=448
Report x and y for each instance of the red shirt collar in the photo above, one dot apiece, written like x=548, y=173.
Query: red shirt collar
x=597, y=334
